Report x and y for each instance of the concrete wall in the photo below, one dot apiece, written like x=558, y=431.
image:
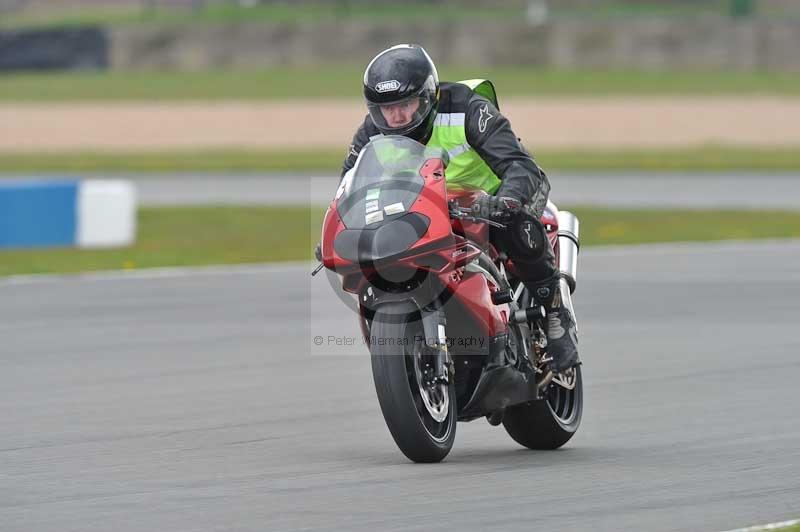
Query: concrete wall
x=701, y=43
x=651, y=44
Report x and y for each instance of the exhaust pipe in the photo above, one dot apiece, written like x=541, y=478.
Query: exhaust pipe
x=569, y=244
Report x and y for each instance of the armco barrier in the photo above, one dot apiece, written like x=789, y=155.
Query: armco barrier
x=86, y=214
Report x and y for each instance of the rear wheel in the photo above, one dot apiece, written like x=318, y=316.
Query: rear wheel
x=420, y=416
x=548, y=423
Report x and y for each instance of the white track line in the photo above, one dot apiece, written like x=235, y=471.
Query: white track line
x=770, y=526
x=157, y=273
x=719, y=246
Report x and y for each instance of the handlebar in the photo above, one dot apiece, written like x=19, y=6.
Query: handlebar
x=465, y=213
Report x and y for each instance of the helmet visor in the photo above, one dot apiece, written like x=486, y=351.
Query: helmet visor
x=400, y=117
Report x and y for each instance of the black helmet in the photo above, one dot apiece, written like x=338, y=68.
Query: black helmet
x=402, y=91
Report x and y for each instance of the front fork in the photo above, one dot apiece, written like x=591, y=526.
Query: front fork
x=433, y=324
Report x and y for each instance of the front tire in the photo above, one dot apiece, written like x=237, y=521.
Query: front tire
x=422, y=419
x=550, y=422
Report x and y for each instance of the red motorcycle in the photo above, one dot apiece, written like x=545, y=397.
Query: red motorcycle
x=453, y=335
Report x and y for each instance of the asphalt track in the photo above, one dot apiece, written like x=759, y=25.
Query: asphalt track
x=198, y=401
x=613, y=189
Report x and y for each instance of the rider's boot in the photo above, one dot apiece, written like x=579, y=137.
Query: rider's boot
x=562, y=337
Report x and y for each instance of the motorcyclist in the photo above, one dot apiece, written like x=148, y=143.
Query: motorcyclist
x=404, y=97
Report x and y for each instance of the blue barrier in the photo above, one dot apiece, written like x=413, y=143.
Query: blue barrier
x=46, y=213
x=35, y=214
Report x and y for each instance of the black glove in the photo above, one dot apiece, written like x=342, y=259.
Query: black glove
x=318, y=252
x=500, y=208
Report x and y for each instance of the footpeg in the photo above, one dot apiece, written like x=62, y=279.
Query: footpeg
x=502, y=296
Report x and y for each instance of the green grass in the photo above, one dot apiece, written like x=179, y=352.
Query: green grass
x=600, y=226
x=706, y=158
x=675, y=9
x=344, y=82
x=304, y=12
x=792, y=528
x=188, y=236
x=268, y=13
x=179, y=161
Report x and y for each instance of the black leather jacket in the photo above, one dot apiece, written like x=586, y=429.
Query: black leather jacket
x=497, y=145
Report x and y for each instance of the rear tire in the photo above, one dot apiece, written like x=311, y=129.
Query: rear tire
x=548, y=423
x=422, y=420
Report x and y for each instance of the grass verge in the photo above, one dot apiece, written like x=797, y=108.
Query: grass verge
x=266, y=13
x=342, y=81
x=296, y=12
x=774, y=527
x=190, y=236
x=704, y=158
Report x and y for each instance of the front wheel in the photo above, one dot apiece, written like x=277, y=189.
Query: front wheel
x=550, y=422
x=421, y=417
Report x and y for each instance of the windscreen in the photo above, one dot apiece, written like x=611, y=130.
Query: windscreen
x=384, y=183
